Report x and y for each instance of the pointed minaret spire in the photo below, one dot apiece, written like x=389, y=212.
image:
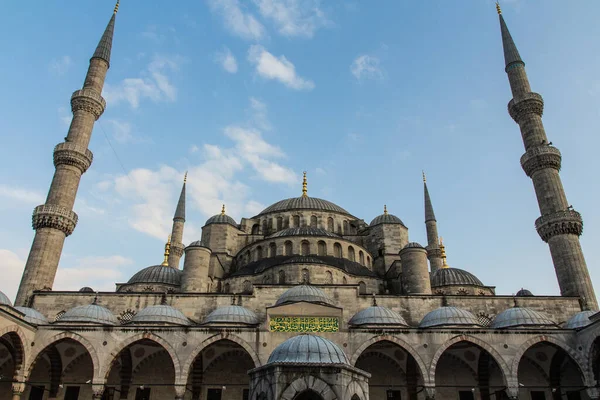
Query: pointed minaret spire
x=429, y=214
x=105, y=45
x=559, y=225
x=177, y=230
x=304, y=186
x=433, y=251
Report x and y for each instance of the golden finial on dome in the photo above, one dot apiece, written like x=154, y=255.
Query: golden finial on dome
x=165, y=262
x=223, y=210
x=443, y=253
x=424, y=177
x=385, y=210
x=304, y=186
x=117, y=7
x=498, y=8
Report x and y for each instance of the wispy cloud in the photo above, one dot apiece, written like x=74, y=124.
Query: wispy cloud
x=237, y=19
x=123, y=132
x=227, y=60
x=98, y=272
x=258, y=114
x=366, y=67
x=277, y=68
x=21, y=195
x=293, y=17
x=61, y=65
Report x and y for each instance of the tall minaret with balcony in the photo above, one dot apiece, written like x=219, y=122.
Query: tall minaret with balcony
x=177, y=230
x=55, y=220
x=433, y=249
x=560, y=226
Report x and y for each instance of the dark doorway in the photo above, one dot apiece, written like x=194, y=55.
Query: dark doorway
x=394, y=395
x=214, y=394
x=72, y=393
x=109, y=393
x=36, y=393
x=246, y=394
x=466, y=395
x=142, y=394
x=538, y=395
x=308, y=395
x=573, y=395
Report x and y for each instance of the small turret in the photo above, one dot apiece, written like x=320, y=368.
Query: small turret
x=195, y=268
x=415, y=274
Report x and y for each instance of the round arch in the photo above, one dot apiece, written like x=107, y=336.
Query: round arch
x=504, y=368
x=354, y=390
x=18, y=338
x=308, y=383
x=589, y=347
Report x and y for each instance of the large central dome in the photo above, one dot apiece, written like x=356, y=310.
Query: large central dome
x=304, y=203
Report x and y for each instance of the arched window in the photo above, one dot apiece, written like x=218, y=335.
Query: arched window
x=322, y=248
x=330, y=224
x=305, y=276
x=281, y=277
x=272, y=250
x=258, y=253
x=351, y=255
x=288, y=248
x=361, y=257
x=286, y=222
x=368, y=261
x=362, y=288
x=296, y=219
x=328, y=278
x=305, y=248
x=346, y=230
x=247, y=287
x=248, y=257
x=264, y=227
x=337, y=250
x=226, y=288
x=270, y=225
x=313, y=221
x=279, y=223
x=255, y=229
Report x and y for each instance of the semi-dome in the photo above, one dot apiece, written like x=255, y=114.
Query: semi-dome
x=33, y=316
x=5, y=300
x=386, y=218
x=91, y=313
x=304, y=231
x=579, y=320
x=449, y=316
x=157, y=274
x=524, y=293
x=308, y=349
x=232, y=315
x=377, y=315
x=307, y=293
x=221, y=219
x=453, y=276
x=520, y=317
x=304, y=203
x=161, y=313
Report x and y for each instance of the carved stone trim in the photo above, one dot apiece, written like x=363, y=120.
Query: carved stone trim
x=528, y=104
x=540, y=157
x=559, y=223
x=88, y=100
x=177, y=249
x=53, y=216
x=72, y=154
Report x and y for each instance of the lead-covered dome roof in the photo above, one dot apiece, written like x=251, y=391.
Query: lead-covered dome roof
x=4, y=299
x=308, y=349
x=232, y=315
x=304, y=203
x=157, y=274
x=33, y=316
x=91, y=313
x=304, y=231
x=161, y=313
x=449, y=316
x=524, y=293
x=386, y=218
x=579, y=320
x=453, y=276
x=307, y=293
x=377, y=315
x=521, y=317
x=221, y=219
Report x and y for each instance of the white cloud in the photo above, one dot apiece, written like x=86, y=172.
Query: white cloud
x=98, y=272
x=259, y=116
x=61, y=65
x=154, y=84
x=227, y=60
x=12, y=269
x=21, y=195
x=122, y=132
x=279, y=68
x=194, y=149
x=293, y=17
x=366, y=67
x=238, y=21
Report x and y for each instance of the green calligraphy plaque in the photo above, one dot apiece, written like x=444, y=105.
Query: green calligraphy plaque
x=304, y=324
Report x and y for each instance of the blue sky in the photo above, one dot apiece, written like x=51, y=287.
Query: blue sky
x=248, y=94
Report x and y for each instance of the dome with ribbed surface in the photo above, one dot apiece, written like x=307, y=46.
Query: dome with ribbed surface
x=413, y=245
x=304, y=203
x=304, y=231
x=33, y=316
x=91, y=313
x=86, y=289
x=232, y=315
x=197, y=243
x=524, y=293
x=521, y=317
x=221, y=219
x=157, y=274
x=453, y=276
x=579, y=320
x=386, y=219
x=4, y=299
x=308, y=349
x=377, y=315
x=160, y=314
x=449, y=316
x=307, y=293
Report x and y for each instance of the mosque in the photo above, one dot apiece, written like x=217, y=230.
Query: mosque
x=304, y=301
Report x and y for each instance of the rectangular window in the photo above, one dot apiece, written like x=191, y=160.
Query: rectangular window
x=573, y=395
x=466, y=395
x=72, y=393
x=214, y=394
x=36, y=393
x=142, y=394
x=538, y=395
x=394, y=395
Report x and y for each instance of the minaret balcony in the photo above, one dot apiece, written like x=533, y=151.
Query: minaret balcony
x=54, y=216
x=74, y=155
x=559, y=223
x=529, y=103
x=541, y=157
x=88, y=100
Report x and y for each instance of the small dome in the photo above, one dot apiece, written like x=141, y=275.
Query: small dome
x=86, y=289
x=413, y=245
x=377, y=315
x=524, y=293
x=304, y=203
x=197, y=243
x=386, y=219
x=453, y=276
x=307, y=293
x=308, y=349
x=5, y=300
x=157, y=274
x=520, y=317
x=232, y=315
x=221, y=219
x=304, y=231
x=162, y=314
x=91, y=313
x=449, y=316
x=33, y=316
x=579, y=320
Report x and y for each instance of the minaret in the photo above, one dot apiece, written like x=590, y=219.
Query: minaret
x=433, y=250
x=177, y=231
x=55, y=220
x=560, y=226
